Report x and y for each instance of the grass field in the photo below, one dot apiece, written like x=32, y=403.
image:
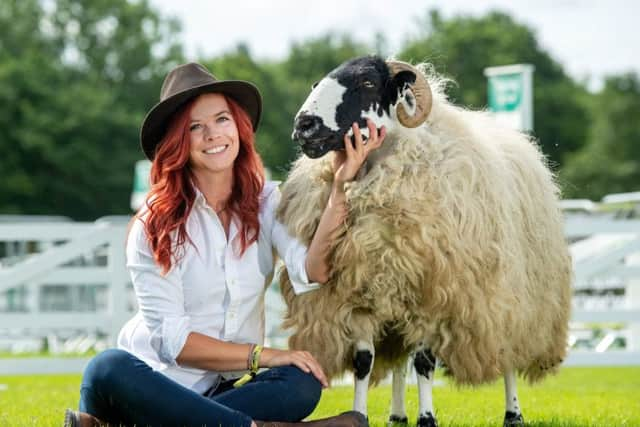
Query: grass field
x=576, y=397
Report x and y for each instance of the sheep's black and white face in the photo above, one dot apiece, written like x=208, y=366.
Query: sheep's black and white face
x=358, y=89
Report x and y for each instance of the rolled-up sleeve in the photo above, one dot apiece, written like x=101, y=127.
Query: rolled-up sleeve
x=160, y=297
x=290, y=250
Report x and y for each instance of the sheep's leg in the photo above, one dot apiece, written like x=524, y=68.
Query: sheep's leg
x=512, y=416
x=425, y=364
x=398, y=411
x=362, y=364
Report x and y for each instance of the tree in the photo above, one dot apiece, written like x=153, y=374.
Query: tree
x=76, y=79
x=126, y=45
x=610, y=162
x=463, y=46
x=27, y=61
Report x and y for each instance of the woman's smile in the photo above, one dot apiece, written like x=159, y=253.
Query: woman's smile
x=217, y=149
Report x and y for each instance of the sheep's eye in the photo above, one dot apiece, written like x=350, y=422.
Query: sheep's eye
x=313, y=86
x=367, y=84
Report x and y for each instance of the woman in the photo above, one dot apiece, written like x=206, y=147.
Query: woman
x=200, y=254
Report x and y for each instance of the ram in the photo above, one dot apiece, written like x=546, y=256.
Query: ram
x=453, y=245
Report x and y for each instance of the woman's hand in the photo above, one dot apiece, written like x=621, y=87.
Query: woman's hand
x=271, y=357
x=347, y=163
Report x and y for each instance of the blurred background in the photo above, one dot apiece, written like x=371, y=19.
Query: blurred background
x=77, y=77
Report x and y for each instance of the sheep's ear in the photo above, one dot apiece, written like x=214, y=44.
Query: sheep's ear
x=406, y=97
x=403, y=78
x=397, y=83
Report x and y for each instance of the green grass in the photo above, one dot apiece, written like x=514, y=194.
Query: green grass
x=576, y=397
x=37, y=400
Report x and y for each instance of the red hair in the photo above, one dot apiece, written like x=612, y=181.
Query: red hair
x=172, y=195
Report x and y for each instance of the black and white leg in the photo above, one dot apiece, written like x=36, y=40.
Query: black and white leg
x=425, y=364
x=398, y=410
x=512, y=416
x=362, y=364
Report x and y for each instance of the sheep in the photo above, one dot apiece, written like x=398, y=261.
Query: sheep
x=452, y=247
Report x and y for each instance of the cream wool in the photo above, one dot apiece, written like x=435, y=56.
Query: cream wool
x=453, y=240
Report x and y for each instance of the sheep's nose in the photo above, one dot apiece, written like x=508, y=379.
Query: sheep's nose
x=305, y=126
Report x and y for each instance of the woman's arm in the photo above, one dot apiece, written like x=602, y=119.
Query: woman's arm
x=204, y=352
x=346, y=165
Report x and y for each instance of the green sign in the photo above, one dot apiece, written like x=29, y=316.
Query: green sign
x=510, y=90
x=505, y=92
x=140, y=183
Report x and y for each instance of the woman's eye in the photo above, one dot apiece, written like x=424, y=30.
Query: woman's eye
x=194, y=126
x=222, y=119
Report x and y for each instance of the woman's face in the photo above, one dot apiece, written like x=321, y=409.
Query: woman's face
x=214, y=135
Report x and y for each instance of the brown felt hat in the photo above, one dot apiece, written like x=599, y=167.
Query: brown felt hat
x=184, y=83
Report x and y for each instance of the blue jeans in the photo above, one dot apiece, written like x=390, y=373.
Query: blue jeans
x=119, y=388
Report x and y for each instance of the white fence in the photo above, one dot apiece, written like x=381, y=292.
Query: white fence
x=80, y=259
x=69, y=257
x=606, y=261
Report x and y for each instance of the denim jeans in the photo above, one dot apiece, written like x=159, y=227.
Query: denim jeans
x=119, y=388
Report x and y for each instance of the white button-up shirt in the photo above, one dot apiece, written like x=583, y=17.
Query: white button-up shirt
x=210, y=290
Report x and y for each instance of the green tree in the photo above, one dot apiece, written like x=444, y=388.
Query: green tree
x=122, y=44
x=26, y=67
x=463, y=46
x=610, y=162
x=76, y=79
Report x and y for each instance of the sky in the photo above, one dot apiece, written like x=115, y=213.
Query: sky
x=591, y=38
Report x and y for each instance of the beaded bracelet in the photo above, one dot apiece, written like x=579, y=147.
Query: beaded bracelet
x=250, y=355
x=254, y=362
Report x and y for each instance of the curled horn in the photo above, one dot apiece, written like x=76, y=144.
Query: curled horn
x=421, y=91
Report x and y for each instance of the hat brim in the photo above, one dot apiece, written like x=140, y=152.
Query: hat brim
x=155, y=123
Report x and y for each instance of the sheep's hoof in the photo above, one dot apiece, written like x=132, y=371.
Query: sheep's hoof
x=512, y=419
x=427, y=420
x=397, y=420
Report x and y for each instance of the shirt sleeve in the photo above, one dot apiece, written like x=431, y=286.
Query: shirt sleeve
x=290, y=250
x=160, y=297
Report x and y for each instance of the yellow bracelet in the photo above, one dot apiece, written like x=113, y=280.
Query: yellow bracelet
x=255, y=358
x=255, y=365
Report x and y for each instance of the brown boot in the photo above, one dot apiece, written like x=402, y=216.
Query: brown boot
x=346, y=419
x=81, y=419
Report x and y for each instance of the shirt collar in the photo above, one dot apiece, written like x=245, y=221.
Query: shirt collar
x=200, y=200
